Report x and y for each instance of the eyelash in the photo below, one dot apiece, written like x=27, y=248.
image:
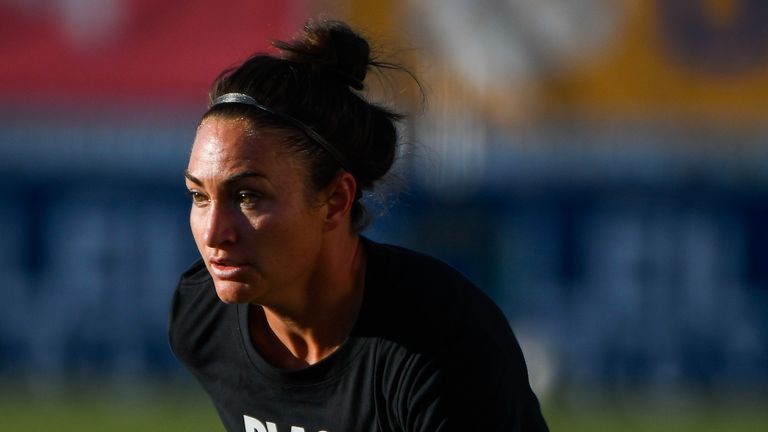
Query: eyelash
x=243, y=196
x=199, y=199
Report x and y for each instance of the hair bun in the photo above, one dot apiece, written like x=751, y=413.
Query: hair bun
x=330, y=46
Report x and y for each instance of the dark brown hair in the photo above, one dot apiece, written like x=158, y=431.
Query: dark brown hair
x=316, y=79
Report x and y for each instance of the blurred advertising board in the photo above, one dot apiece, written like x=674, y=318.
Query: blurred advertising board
x=131, y=51
x=525, y=60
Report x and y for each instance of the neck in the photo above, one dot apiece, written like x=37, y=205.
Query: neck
x=314, y=326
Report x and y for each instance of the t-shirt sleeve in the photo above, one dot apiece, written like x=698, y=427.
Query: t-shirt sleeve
x=469, y=394
x=465, y=370
x=194, y=315
x=478, y=381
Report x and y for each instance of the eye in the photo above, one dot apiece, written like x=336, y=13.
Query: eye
x=198, y=198
x=248, y=199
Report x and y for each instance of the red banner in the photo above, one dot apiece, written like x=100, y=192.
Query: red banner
x=131, y=51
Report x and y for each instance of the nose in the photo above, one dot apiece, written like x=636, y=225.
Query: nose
x=220, y=228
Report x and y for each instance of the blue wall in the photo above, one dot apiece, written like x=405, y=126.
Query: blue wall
x=643, y=279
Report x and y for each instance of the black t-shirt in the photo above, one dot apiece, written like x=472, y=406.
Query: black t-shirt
x=429, y=352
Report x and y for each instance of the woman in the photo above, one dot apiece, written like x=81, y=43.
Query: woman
x=291, y=320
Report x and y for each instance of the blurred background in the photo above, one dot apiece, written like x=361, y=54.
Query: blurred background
x=599, y=167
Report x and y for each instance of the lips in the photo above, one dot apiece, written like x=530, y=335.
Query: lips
x=226, y=269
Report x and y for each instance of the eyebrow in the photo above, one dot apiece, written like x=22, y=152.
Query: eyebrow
x=228, y=181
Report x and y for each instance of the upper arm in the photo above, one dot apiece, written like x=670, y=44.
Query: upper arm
x=472, y=384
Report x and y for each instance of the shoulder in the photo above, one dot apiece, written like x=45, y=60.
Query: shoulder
x=432, y=299
x=462, y=357
x=195, y=312
x=196, y=273
x=193, y=291
x=402, y=267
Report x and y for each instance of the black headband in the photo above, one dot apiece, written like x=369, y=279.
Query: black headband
x=240, y=98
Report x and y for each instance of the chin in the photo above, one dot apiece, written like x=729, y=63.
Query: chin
x=234, y=292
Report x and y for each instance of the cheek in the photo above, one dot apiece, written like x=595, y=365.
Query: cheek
x=291, y=234
x=303, y=237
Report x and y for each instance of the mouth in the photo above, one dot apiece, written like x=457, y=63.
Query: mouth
x=226, y=269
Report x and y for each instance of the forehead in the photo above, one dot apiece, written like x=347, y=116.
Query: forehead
x=218, y=138
x=223, y=145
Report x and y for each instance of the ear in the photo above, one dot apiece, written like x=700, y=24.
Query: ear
x=341, y=196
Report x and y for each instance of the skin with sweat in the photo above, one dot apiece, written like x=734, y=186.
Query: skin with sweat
x=269, y=241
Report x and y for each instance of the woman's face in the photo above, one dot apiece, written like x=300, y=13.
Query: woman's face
x=253, y=221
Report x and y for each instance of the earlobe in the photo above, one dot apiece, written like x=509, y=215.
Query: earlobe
x=341, y=197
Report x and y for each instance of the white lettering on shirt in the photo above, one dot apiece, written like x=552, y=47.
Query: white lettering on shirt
x=255, y=425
